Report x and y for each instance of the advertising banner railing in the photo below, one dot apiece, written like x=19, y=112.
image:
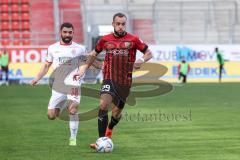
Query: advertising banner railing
x=25, y=62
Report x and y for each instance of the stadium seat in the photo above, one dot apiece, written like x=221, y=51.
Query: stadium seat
x=14, y=1
x=25, y=26
x=16, y=34
x=26, y=35
x=24, y=1
x=5, y=42
x=25, y=17
x=26, y=42
x=4, y=17
x=4, y=8
x=25, y=8
x=15, y=17
x=15, y=8
x=5, y=35
x=4, y=1
x=16, y=42
x=5, y=26
x=15, y=26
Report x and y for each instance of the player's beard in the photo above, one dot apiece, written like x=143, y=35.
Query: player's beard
x=66, y=40
x=119, y=34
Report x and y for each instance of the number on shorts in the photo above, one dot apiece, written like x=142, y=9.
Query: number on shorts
x=106, y=88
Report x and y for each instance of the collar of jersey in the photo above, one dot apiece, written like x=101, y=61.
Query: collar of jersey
x=65, y=44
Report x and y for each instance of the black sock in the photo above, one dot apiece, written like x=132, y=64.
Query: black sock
x=102, y=122
x=113, y=122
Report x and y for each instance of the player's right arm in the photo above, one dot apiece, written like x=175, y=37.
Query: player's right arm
x=91, y=58
x=43, y=71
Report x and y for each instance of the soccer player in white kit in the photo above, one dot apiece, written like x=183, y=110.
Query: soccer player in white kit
x=61, y=53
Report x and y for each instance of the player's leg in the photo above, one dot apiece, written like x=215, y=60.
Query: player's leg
x=73, y=122
x=184, y=78
x=1, y=75
x=74, y=101
x=53, y=113
x=116, y=116
x=105, y=102
x=104, y=105
x=6, y=75
x=56, y=102
x=220, y=72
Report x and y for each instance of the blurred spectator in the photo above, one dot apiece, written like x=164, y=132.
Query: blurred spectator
x=4, y=61
x=183, y=70
x=220, y=62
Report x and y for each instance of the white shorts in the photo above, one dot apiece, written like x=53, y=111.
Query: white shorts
x=59, y=100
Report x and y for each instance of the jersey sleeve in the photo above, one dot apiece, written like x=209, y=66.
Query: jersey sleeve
x=140, y=45
x=49, y=58
x=99, y=46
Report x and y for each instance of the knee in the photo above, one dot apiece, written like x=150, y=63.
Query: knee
x=103, y=105
x=51, y=116
x=73, y=111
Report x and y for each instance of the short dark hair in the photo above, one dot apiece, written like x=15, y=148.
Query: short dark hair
x=67, y=25
x=119, y=15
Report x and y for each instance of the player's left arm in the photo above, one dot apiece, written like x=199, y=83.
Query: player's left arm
x=90, y=59
x=146, y=57
x=97, y=64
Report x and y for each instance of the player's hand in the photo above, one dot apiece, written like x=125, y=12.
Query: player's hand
x=138, y=64
x=34, y=82
x=78, y=75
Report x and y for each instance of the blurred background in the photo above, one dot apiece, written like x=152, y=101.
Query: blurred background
x=172, y=28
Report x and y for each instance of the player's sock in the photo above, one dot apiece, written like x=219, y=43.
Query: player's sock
x=102, y=122
x=113, y=122
x=73, y=125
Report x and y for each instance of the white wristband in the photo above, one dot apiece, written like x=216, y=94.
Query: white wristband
x=142, y=59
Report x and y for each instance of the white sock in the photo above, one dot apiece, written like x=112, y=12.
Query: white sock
x=73, y=125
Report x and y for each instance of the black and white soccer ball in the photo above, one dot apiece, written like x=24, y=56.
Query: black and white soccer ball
x=104, y=145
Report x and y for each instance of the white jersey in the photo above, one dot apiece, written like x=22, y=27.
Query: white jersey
x=68, y=55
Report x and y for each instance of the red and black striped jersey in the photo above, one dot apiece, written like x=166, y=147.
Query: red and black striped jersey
x=120, y=56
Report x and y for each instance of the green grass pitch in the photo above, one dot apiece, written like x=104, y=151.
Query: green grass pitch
x=193, y=122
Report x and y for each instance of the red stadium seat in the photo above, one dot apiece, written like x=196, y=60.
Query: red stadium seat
x=4, y=1
x=14, y=1
x=24, y=1
x=4, y=17
x=15, y=17
x=15, y=26
x=25, y=26
x=25, y=17
x=5, y=42
x=16, y=42
x=16, y=35
x=26, y=35
x=26, y=42
x=25, y=8
x=4, y=8
x=5, y=26
x=5, y=35
x=15, y=8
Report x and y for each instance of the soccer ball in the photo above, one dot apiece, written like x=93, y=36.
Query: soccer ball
x=104, y=144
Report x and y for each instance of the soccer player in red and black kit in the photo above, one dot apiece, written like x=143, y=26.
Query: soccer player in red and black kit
x=120, y=60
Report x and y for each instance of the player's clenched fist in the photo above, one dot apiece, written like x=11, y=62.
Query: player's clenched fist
x=34, y=82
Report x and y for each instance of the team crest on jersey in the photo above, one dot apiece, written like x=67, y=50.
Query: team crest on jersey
x=126, y=45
